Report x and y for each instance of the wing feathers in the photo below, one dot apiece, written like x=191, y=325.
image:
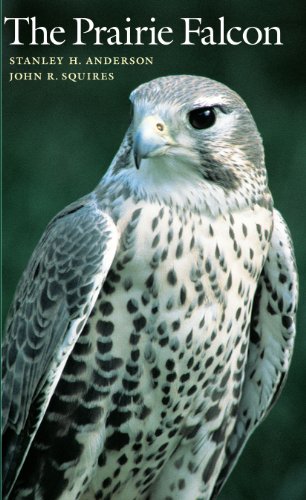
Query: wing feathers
x=272, y=332
x=52, y=303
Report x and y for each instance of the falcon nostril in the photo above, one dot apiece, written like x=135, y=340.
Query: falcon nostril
x=159, y=127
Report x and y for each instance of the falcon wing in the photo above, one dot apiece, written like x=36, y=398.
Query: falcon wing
x=51, y=306
x=272, y=333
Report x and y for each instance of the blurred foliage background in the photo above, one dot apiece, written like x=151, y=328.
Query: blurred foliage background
x=59, y=137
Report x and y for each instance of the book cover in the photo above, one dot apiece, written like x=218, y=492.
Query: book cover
x=68, y=70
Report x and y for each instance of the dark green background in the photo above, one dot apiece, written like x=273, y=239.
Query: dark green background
x=58, y=139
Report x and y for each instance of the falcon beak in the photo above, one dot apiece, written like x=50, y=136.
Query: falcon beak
x=151, y=139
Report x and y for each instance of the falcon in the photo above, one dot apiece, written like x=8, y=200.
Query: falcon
x=153, y=328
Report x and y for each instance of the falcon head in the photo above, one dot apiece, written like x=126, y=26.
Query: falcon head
x=192, y=137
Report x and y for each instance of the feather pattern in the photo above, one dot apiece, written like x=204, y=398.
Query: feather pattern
x=272, y=333
x=52, y=303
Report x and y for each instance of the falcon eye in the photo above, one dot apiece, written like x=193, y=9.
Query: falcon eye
x=201, y=118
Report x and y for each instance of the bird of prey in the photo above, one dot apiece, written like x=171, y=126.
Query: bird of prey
x=153, y=328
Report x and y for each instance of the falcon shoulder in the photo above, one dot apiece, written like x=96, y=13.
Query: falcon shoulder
x=51, y=306
x=272, y=332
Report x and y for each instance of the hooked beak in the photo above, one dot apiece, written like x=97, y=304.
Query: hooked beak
x=151, y=139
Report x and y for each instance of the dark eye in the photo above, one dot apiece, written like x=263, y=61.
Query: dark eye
x=201, y=118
